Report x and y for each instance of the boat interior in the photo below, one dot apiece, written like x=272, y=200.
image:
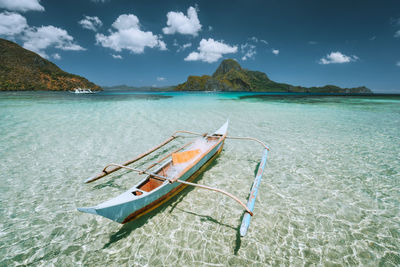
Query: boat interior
x=176, y=163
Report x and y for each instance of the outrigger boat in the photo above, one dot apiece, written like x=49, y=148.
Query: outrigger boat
x=82, y=91
x=173, y=173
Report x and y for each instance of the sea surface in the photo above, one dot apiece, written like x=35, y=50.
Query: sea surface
x=330, y=193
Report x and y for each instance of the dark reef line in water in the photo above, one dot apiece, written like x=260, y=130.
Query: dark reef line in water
x=319, y=95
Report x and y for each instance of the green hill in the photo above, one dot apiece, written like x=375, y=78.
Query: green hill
x=23, y=70
x=230, y=76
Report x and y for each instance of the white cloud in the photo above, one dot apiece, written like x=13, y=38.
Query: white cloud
x=186, y=45
x=56, y=56
x=395, y=21
x=21, y=5
x=210, y=28
x=275, y=51
x=39, y=39
x=210, y=51
x=160, y=79
x=12, y=23
x=254, y=39
x=129, y=36
x=116, y=56
x=177, y=22
x=36, y=39
x=91, y=23
x=183, y=47
x=337, y=58
x=312, y=42
x=248, y=50
x=398, y=63
x=397, y=34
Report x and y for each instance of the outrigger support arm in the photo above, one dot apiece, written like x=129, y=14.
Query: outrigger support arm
x=249, y=138
x=116, y=168
x=227, y=137
x=164, y=178
x=220, y=191
x=106, y=171
x=188, y=132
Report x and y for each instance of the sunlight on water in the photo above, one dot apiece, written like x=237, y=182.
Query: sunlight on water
x=330, y=192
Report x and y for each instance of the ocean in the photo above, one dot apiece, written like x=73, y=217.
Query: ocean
x=330, y=193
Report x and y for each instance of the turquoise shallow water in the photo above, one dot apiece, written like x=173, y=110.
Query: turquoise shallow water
x=330, y=192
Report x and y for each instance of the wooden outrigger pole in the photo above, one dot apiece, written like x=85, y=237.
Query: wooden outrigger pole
x=106, y=171
x=163, y=178
x=254, y=189
x=253, y=194
x=116, y=168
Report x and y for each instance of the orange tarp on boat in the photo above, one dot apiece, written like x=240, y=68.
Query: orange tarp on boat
x=185, y=156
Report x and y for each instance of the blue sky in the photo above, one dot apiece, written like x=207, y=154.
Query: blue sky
x=308, y=43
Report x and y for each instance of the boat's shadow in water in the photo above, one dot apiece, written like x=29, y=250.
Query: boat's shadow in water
x=128, y=228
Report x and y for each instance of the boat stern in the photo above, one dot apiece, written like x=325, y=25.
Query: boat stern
x=90, y=210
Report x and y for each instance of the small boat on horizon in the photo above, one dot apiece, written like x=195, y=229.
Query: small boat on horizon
x=172, y=174
x=82, y=91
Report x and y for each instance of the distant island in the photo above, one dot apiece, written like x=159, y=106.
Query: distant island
x=24, y=70
x=230, y=76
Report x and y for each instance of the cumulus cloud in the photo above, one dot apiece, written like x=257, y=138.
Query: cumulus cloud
x=56, y=56
x=91, y=23
x=21, y=5
x=36, y=39
x=187, y=45
x=398, y=64
x=275, y=51
x=116, y=56
x=128, y=35
x=12, y=23
x=160, y=79
x=39, y=39
x=395, y=21
x=210, y=51
x=337, y=58
x=177, y=22
x=181, y=47
x=256, y=40
x=249, y=51
x=397, y=34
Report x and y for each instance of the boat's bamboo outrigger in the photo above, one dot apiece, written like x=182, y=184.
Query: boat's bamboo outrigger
x=110, y=168
x=116, y=168
x=163, y=178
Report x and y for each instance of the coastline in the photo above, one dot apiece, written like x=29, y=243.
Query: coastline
x=251, y=94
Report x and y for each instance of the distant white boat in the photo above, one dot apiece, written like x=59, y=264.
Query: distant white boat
x=82, y=91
